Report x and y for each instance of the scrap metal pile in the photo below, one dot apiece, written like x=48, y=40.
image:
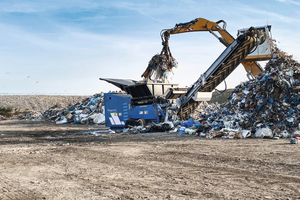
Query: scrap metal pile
x=89, y=111
x=267, y=106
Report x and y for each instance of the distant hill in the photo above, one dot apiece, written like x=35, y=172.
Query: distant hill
x=38, y=103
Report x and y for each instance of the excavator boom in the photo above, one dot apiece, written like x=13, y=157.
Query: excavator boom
x=236, y=52
x=201, y=24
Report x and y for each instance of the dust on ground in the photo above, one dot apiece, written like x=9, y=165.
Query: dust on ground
x=42, y=160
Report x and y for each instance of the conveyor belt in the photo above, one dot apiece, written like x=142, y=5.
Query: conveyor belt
x=217, y=72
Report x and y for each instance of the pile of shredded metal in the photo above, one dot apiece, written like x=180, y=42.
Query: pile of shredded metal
x=269, y=102
x=89, y=111
x=272, y=98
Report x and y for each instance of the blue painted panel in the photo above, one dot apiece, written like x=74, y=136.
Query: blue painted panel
x=114, y=109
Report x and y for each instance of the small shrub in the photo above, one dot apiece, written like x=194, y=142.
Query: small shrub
x=17, y=112
x=6, y=112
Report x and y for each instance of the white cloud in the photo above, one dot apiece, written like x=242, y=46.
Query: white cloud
x=269, y=14
x=290, y=1
x=22, y=7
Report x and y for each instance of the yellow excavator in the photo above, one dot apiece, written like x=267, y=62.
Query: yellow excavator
x=261, y=52
x=252, y=44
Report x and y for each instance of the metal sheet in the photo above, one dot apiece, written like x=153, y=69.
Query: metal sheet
x=120, y=83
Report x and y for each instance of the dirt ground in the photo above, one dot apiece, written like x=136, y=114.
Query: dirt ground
x=42, y=160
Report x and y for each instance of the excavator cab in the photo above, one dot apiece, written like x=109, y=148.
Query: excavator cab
x=263, y=50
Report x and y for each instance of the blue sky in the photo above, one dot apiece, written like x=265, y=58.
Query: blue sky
x=64, y=47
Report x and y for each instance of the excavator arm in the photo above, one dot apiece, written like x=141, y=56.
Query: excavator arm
x=201, y=24
x=236, y=52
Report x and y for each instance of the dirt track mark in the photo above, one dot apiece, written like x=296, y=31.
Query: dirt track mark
x=14, y=190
